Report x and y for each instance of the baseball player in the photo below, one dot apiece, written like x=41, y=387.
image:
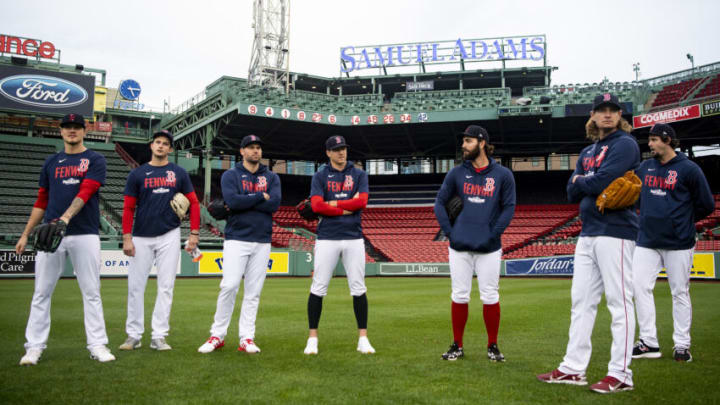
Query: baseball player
x=603, y=255
x=154, y=238
x=675, y=195
x=252, y=193
x=69, y=184
x=488, y=193
x=339, y=192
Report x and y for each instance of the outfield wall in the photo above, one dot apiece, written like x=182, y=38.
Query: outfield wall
x=284, y=262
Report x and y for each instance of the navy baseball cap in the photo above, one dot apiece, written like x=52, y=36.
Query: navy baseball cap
x=73, y=119
x=248, y=139
x=476, y=131
x=604, y=99
x=167, y=134
x=335, y=142
x=663, y=130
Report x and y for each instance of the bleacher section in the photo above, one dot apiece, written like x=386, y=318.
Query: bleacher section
x=711, y=88
x=579, y=93
x=21, y=164
x=673, y=93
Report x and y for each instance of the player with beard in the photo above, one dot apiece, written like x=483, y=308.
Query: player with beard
x=675, y=195
x=488, y=193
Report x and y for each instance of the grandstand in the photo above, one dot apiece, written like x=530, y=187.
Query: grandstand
x=413, y=134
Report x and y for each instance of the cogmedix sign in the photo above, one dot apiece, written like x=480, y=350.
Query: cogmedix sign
x=665, y=116
x=35, y=90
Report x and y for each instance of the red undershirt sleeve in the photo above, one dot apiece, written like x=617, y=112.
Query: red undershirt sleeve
x=194, y=211
x=354, y=204
x=42, y=198
x=128, y=213
x=88, y=187
x=320, y=207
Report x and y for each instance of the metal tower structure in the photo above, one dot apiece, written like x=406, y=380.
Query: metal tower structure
x=270, y=58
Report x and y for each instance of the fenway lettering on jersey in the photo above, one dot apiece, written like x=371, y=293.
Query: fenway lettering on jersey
x=80, y=170
x=667, y=183
x=336, y=186
x=479, y=190
x=259, y=186
x=594, y=161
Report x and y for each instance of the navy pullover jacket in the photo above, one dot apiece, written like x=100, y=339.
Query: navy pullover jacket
x=598, y=165
x=251, y=215
x=331, y=184
x=488, y=206
x=674, y=196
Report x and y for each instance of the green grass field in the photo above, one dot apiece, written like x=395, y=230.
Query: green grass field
x=409, y=326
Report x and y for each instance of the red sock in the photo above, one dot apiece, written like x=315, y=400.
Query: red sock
x=491, y=315
x=459, y=319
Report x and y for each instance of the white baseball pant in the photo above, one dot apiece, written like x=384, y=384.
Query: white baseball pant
x=327, y=253
x=249, y=259
x=601, y=263
x=462, y=267
x=164, y=251
x=647, y=263
x=84, y=252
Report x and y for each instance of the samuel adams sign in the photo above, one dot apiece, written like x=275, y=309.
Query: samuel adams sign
x=46, y=91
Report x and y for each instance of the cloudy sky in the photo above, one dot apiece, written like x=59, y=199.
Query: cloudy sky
x=176, y=48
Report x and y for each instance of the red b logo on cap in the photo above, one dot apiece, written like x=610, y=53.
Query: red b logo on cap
x=606, y=97
x=337, y=139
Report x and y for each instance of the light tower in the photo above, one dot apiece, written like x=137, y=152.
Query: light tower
x=270, y=58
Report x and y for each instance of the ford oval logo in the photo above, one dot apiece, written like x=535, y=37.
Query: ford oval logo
x=42, y=91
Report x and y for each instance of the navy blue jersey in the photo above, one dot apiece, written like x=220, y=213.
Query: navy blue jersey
x=488, y=206
x=62, y=174
x=331, y=184
x=251, y=216
x=154, y=188
x=599, y=164
x=674, y=196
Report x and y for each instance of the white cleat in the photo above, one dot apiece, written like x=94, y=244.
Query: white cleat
x=312, y=346
x=130, y=344
x=31, y=357
x=364, y=346
x=211, y=345
x=248, y=346
x=101, y=353
x=159, y=344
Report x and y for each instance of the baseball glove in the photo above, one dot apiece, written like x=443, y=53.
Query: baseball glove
x=47, y=237
x=621, y=193
x=304, y=208
x=180, y=205
x=453, y=208
x=218, y=209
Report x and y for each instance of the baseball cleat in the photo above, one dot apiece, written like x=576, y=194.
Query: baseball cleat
x=682, y=354
x=31, y=357
x=248, y=346
x=364, y=346
x=159, y=344
x=453, y=353
x=213, y=343
x=609, y=385
x=101, y=353
x=494, y=353
x=643, y=351
x=558, y=377
x=130, y=344
x=312, y=346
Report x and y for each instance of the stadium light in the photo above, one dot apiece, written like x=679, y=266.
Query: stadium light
x=692, y=61
x=636, y=68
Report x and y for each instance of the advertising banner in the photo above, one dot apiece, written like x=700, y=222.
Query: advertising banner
x=711, y=108
x=115, y=263
x=540, y=266
x=211, y=263
x=414, y=269
x=13, y=263
x=672, y=115
x=35, y=90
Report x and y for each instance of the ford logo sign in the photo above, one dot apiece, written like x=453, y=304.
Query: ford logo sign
x=42, y=91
